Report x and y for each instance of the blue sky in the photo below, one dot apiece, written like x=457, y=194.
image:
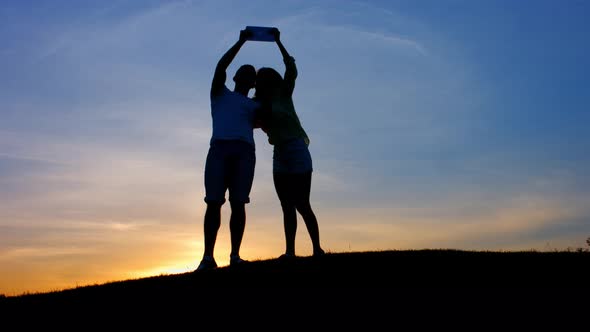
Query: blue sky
x=433, y=124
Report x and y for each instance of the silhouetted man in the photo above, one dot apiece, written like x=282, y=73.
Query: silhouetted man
x=231, y=157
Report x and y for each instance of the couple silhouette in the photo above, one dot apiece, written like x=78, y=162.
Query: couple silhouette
x=231, y=157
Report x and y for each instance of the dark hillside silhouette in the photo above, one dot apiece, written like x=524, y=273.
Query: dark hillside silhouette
x=391, y=269
x=338, y=289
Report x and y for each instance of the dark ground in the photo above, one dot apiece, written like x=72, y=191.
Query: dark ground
x=341, y=289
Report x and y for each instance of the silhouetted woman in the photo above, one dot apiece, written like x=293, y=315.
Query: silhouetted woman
x=292, y=163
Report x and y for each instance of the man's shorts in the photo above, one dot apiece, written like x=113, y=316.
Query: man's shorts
x=229, y=167
x=292, y=157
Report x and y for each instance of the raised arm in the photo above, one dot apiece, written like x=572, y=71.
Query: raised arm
x=290, y=68
x=220, y=75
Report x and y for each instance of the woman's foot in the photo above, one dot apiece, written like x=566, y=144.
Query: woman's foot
x=287, y=256
x=318, y=252
x=235, y=260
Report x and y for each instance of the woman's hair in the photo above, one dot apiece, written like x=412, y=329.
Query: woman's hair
x=267, y=79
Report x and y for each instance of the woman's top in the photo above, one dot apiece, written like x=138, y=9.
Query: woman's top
x=284, y=124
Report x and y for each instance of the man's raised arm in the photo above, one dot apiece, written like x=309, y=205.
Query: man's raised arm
x=220, y=75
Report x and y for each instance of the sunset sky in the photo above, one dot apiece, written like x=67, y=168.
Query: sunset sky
x=433, y=124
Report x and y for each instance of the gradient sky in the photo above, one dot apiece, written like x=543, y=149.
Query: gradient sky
x=433, y=124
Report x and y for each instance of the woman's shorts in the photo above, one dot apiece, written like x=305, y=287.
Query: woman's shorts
x=292, y=157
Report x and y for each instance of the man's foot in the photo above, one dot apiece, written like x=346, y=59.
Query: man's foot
x=207, y=263
x=235, y=260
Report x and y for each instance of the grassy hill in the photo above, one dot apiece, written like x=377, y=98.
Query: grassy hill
x=375, y=281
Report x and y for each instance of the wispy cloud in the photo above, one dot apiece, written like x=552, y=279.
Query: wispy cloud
x=312, y=22
x=97, y=26
x=24, y=253
x=514, y=225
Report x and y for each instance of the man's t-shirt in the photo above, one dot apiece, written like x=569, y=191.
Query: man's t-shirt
x=233, y=116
